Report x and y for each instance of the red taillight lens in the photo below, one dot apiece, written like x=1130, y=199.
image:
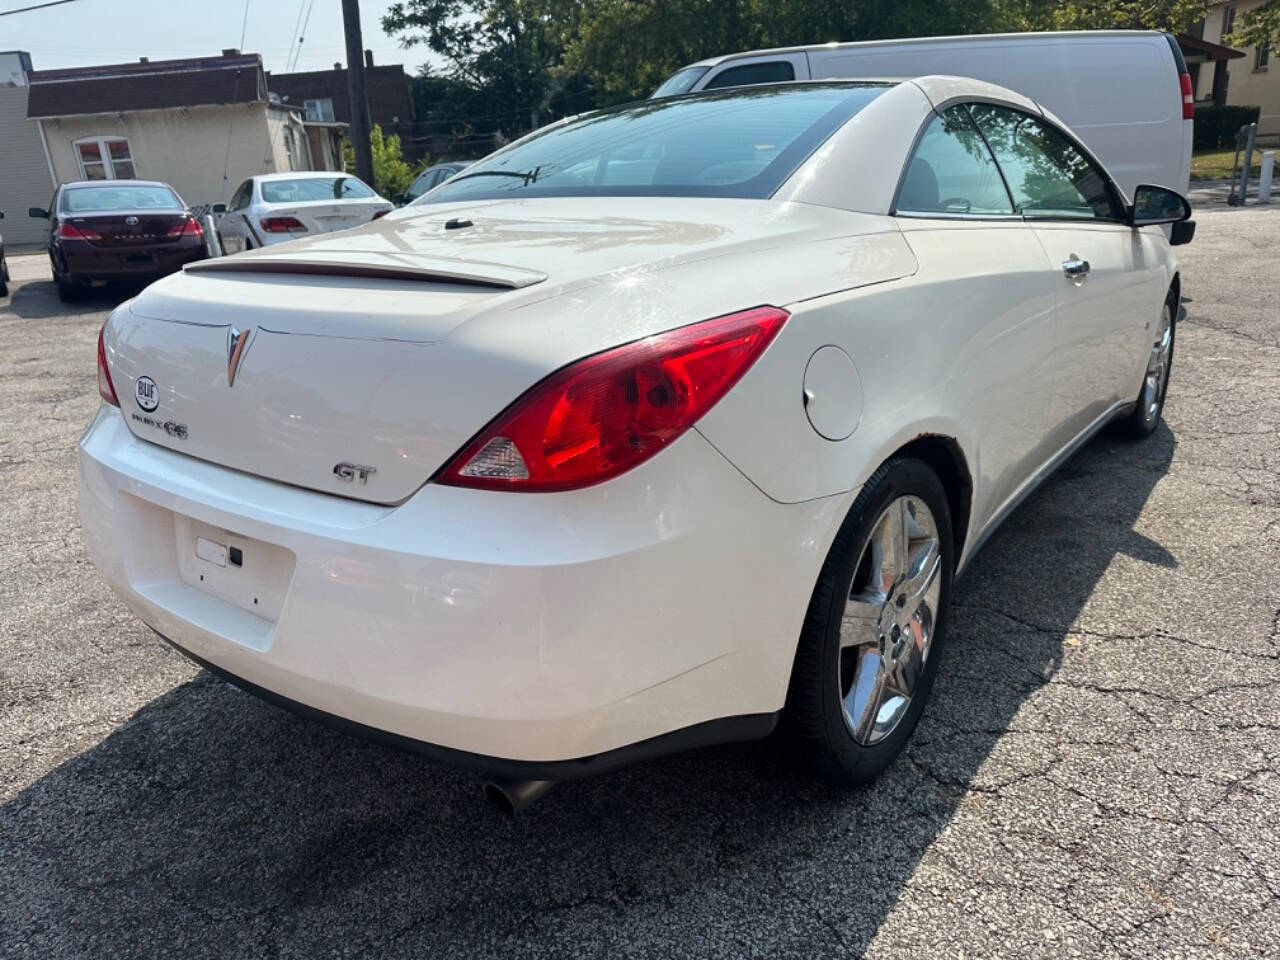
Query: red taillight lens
x=609, y=412
x=1188, y=97
x=282, y=225
x=69, y=231
x=106, y=389
x=379, y=213
x=187, y=228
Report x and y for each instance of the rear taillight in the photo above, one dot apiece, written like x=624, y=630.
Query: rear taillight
x=106, y=389
x=1188, y=97
x=187, y=228
x=282, y=225
x=379, y=213
x=607, y=413
x=69, y=231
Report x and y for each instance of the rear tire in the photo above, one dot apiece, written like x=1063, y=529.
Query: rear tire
x=1149, y=407
x=68, y=292
x=874, y=631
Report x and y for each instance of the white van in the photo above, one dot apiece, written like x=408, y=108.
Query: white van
x=1125, y=93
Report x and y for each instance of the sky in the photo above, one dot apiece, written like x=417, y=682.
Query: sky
x=85, y=32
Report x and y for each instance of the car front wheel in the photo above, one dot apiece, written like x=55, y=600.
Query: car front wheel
x=873, y=634
x=1149, y=407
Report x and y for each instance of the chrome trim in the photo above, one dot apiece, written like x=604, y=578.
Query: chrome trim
x=1030, y=485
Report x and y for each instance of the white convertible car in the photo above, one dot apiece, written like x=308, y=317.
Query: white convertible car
x=565, y=466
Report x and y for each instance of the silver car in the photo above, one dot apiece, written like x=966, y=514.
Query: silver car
x=277, y=207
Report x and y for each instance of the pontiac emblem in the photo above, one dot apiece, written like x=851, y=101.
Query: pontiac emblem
x=236, y=346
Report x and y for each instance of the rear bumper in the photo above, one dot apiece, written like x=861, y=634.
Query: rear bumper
x=518, y=634
x=85, y=263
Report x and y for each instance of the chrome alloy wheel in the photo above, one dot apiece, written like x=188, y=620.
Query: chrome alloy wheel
x=889, y=617
x=1153, y=386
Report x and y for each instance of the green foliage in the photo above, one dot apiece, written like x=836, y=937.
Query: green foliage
x=506, y=47
x=1215, y=127
x=626, y=48
x=1260, y=25
x=1173, y=16
x=391, y=173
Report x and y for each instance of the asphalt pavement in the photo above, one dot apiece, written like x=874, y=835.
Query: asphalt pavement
x=1097, y=774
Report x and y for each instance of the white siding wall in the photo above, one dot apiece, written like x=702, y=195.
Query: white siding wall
x=187, y=148
x=24, y=172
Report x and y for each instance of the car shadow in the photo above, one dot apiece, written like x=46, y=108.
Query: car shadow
x=38, y=299
x=210, y=824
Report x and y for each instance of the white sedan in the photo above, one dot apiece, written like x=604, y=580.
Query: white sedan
x=277, y=207
x=562, y=467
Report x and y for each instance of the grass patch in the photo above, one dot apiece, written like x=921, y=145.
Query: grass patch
x=1216, y=164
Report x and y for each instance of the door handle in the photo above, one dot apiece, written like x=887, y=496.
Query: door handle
x=1075, y=269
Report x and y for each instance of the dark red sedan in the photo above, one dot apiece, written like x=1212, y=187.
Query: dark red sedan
x=118, y=230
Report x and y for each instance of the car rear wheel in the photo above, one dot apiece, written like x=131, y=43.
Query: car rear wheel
x=68, y=292
x=873, y=634
x=1149, y=407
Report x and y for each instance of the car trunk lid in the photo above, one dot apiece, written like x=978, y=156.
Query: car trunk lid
x=358, y=363
x=129, y=229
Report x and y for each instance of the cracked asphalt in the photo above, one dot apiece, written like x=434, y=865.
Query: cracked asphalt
x=1097, y=775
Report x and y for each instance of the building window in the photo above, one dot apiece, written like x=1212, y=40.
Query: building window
x=319, y=111
x=1262, y=57
x=105, y=158
x=1228, y=21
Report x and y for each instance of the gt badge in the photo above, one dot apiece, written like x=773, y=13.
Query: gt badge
x=145, y=394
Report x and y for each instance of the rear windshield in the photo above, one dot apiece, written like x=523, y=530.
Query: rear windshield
x=743, y=142
x=305, y=189
x=99, y=199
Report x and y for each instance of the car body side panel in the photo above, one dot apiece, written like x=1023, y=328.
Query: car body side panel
x=962, y=348
x=1104, y=323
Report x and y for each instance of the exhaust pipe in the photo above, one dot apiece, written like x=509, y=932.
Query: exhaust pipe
x=512, y=796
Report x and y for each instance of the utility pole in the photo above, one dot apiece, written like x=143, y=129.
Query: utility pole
x=360, y=125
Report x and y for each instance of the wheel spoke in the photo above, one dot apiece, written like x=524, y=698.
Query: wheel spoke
x=859, y=625
x=904, y=676
x=925, y=566
x=865, y=696
x=890, y=544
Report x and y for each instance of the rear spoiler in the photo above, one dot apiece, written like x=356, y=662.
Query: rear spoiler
x=379, y=266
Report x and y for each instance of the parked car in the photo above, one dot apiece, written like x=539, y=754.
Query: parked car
x=1126, y=93
x=104, y=230
x=4, y=266
x=556, y=470
x=278, y=207
x=431, y=177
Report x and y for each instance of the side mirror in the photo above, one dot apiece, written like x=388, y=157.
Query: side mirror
x=1152, y=205
x=37, y=213
x=1182, y=232
x=218, y=208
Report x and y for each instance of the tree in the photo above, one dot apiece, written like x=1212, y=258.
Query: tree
x=507, y=48
x=625, y=48
x=391, y=174
x=1260, y=26
x=1174, y=16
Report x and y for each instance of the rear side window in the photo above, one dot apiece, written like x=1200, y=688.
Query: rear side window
x=306, y=189
x=681, y=81
x=952, y=173
x=1048, y=175
x=771, y=71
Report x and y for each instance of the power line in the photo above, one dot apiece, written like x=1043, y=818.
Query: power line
x=38, y=6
